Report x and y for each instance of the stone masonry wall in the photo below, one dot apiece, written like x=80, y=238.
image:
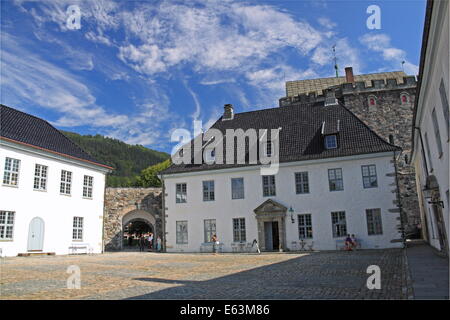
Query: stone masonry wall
x=121, y=201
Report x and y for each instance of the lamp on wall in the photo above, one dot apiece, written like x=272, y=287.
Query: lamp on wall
x=291, y=211
x=431, y=188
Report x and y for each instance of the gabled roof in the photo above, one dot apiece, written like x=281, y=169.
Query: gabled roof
x=301, y=135
x=23, y=128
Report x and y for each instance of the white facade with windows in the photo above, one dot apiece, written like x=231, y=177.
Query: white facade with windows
x=432, y=128
x=329, y=198
x=48, y=202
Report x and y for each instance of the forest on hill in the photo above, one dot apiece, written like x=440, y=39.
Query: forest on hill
x=128, y=160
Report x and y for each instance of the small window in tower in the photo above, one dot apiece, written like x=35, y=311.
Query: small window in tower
x=404, y=98
x=372, y=102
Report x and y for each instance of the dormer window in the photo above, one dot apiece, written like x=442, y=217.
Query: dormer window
x=331, y=142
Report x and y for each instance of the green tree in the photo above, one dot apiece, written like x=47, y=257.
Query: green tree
x=149, y=176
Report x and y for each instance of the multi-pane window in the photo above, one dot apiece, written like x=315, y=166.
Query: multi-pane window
x=374, y=225
x=305, y=226
x=77, y=233
x=210, y=229
x=269, y=189
x=40, y=177
x=437, y=133
x=335, y=179
x=331, y=142
x=427, y=147
x=11, y=174
x=66, y=182
x=6, y=225
x=182, y=232
x=88, y=182
x=369, y=175
x=208, y=190
x=301, y=182
x=237, y=188
x=339, y=224
x=239, y=230
x=181, y=192
x=445, y=106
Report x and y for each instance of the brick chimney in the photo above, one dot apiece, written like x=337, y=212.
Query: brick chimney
x=349, y=75
x=228, y=112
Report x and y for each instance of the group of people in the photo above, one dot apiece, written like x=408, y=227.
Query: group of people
x=350, y=242
x=142, y=240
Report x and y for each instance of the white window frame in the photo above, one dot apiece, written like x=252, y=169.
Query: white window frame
x=11, y=172
x=332, y=181
x=7, y=223
x=239, y=232
x=301, y=182
x=437, y=132
x=88, y=186
x=370, y=175
x=209, y=229
x=181, y=232
x=331, y=144
x=40, y=177
x=305, y=226
x=374, y=222
x=208, y=190
x=181, y=192
x=445, y=107
x=65, y=186
x=77, y=231
x=404, y=94
x=237, y=193
x=372, y=107
x=339, y=224
x=269, y=188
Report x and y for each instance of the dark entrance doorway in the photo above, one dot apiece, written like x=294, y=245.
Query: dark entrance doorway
x=133, y=230
x=271, y=233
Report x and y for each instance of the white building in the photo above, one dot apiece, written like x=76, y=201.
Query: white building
x=336, y=177
x=51, y=191
x=431, y=127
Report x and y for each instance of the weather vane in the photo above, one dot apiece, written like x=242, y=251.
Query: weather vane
x=335, y=61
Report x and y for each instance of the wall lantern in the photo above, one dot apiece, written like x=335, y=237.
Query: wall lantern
x=291, y=211
x=431, y=190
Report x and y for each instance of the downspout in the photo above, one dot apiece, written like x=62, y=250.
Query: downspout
x=400, y=205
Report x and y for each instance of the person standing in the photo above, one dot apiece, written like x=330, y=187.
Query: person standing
x=216, y=243
x=150, y=241
x=141, y=243
x=158, y=244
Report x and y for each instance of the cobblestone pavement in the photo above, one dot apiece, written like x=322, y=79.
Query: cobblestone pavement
x=134, y=275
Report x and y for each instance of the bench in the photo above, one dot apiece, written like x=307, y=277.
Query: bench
x=80, y=248
x=340, y=244
x=209, y=247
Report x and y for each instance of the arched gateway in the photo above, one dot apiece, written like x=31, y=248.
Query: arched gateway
x=128, y=207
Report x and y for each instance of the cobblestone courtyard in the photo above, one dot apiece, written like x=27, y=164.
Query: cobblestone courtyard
x=134, y=275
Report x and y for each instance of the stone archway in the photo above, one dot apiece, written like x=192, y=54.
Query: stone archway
x=137, y=216
x=122, y=205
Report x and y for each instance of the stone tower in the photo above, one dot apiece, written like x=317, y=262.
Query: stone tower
x=384, y=102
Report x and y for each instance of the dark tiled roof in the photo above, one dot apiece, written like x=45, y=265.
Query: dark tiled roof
x=301, y=134
x=30, y=130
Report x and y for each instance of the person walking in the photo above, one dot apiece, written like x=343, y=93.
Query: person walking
x=150, y=241
x=216, y=243
x=141, y=243
x=158, y=244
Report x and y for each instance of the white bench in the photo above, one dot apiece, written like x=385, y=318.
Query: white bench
x=209, y=247
x=340, y=244
x=80, y=248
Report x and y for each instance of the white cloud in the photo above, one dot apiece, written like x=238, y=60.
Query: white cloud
x=381, y=43
x=327, y=23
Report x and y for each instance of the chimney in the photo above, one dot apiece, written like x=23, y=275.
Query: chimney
x=228, y=112
x=349, y=75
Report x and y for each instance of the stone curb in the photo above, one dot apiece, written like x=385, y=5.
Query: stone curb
x=407, y=289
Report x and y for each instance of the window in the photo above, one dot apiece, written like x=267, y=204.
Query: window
x=305, y=226
x=404, y=99
x=6, y=225
x=372, y=102
x=11, y=174
x=330, y=142
x=239, y=230
x=335, y=179
x=66, y=181
x=445, y=106
x=87, y=186
x=210, y=229
x=77, y=233
x=301, y=182
x=40, y=177
x=237, y=188
x=182, y=232
x=437, y=133
x=208, y=190
x=339, y=224
x=181, y=193
x=210, y=155
x=374, y=225
x=369, y=175
x=427, y=146
x=268, y=186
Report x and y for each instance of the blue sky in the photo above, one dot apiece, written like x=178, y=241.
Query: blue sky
x=137, y=70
